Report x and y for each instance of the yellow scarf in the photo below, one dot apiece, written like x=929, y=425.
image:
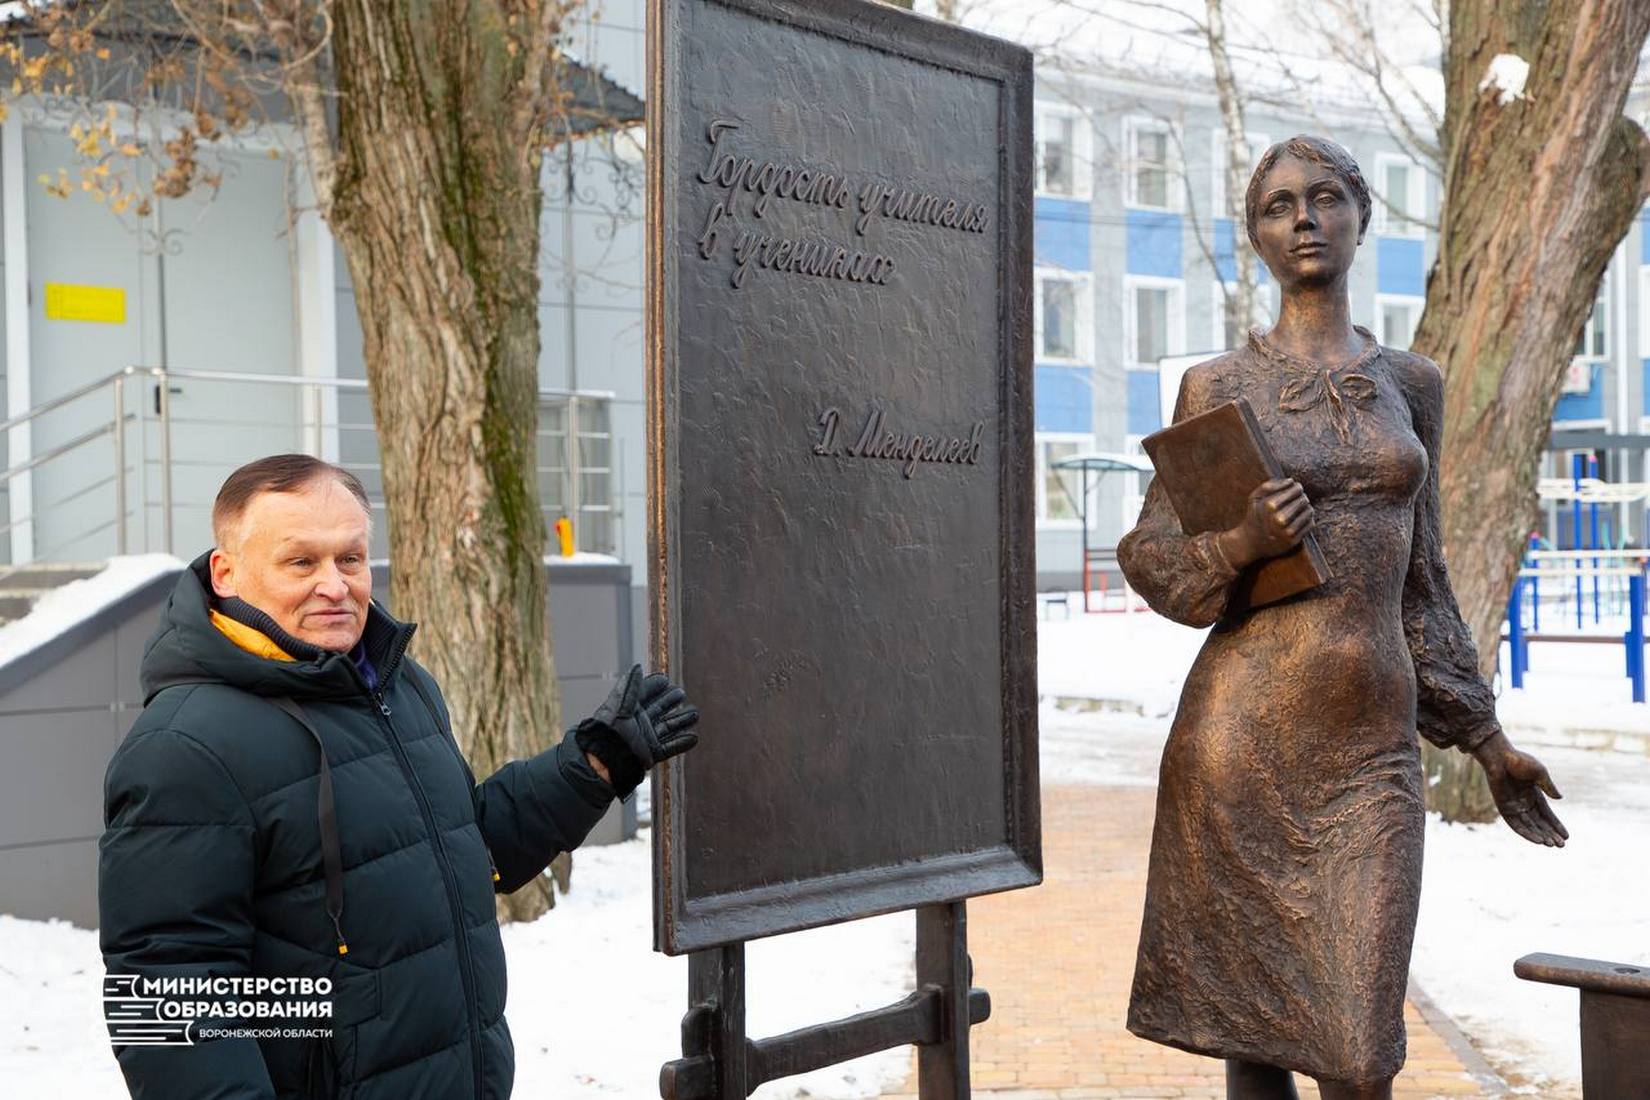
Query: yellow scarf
x=255, y=642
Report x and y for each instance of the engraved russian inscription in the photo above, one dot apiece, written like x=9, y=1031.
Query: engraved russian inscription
x=732, y=172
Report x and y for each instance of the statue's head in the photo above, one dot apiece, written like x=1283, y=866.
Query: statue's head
x=1306, y=209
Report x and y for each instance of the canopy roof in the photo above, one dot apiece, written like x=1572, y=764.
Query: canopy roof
x=1105, y=461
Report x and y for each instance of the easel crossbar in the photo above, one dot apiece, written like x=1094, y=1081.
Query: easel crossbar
x=915, y=1020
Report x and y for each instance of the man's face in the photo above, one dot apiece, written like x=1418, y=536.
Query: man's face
x=301, y=559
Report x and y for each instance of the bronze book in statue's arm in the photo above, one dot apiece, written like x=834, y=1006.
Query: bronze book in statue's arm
x=1209, y=464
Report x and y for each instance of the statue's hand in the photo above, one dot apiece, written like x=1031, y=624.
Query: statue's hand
x=1517, y=782
x=1279, y=516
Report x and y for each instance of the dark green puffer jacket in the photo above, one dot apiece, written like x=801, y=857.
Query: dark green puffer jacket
x=211, y=862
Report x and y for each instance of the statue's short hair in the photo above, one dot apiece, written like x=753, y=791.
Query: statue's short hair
x=1316, y=150
x=277, y=474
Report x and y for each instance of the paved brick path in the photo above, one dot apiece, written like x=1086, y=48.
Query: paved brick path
x=1058, y=961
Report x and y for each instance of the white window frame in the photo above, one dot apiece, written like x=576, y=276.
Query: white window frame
x=1085, y=316
x=1082, y=150
x=1417, y=302
x=1265, y=304
x=1042, y=439
x=1177, y=316
x=1588, y=329
x=1416, y=201
x=1222, y=205
x=1133, y=127
x=1644, y=312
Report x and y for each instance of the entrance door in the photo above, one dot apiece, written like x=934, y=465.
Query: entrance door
x=205, y=284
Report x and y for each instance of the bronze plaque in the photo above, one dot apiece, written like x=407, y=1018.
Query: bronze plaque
x=841, y=489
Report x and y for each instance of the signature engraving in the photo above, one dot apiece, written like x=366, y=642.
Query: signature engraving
x=877, y=440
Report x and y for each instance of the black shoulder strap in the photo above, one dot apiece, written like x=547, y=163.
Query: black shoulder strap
x=332, y=860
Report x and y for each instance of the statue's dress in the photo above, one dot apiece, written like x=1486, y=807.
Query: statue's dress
x=1286, y=856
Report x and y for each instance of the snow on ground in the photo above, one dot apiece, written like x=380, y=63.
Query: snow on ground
x=1489, y=897
x=52, y=1039
x=1135, y=662
x=593, y=1010
x=77, y=601
x=612, y=1038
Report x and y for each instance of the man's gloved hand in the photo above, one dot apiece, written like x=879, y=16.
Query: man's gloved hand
x=644, y=721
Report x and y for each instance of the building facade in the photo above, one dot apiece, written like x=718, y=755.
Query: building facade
x=1134, y=247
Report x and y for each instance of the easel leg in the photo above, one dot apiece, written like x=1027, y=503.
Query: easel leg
x=717, y=977
x=943, y=963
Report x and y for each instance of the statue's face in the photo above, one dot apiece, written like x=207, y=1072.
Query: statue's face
x=1307, y=223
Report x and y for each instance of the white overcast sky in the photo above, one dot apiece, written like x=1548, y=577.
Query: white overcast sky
x=1277, y=45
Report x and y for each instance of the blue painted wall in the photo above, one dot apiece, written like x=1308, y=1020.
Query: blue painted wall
x=1226, y=249
x=1154, y=244
x=1582, y=406
x=1225, y=244
x=1145, y=408
x=1063, y=234
x=1064, y=397
x=1400, y=265
x=1644, y=235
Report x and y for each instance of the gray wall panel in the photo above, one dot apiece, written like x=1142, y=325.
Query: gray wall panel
x=85, y=678
x=586, y=629
x=51, y=881
x=52, y=785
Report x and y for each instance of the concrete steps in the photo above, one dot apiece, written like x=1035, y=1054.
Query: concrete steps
x=22, y=585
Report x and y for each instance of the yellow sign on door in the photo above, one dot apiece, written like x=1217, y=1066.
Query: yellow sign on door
x=71, y=302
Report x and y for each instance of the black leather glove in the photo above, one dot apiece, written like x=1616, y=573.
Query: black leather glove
x=645, y=720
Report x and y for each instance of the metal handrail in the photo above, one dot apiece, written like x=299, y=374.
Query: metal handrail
x=64, y=399
x=571, y=437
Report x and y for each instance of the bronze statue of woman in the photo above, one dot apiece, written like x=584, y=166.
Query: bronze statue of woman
x=1286, y=857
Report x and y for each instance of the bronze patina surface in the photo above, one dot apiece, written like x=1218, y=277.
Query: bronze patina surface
x=841, y=440
x=1286, y=859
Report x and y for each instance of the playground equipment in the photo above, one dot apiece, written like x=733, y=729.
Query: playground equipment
x=1626, y=566
x=1583, y=489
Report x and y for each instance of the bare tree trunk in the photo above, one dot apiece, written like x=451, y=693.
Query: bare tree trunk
x=1239, y=293
x=1538, y=191
x=435, y=204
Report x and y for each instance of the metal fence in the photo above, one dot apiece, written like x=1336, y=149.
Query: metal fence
x=122, y=465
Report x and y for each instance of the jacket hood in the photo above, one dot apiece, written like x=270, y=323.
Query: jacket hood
x=187, y=648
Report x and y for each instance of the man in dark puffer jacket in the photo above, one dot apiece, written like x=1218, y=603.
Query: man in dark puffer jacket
x=291, y=804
